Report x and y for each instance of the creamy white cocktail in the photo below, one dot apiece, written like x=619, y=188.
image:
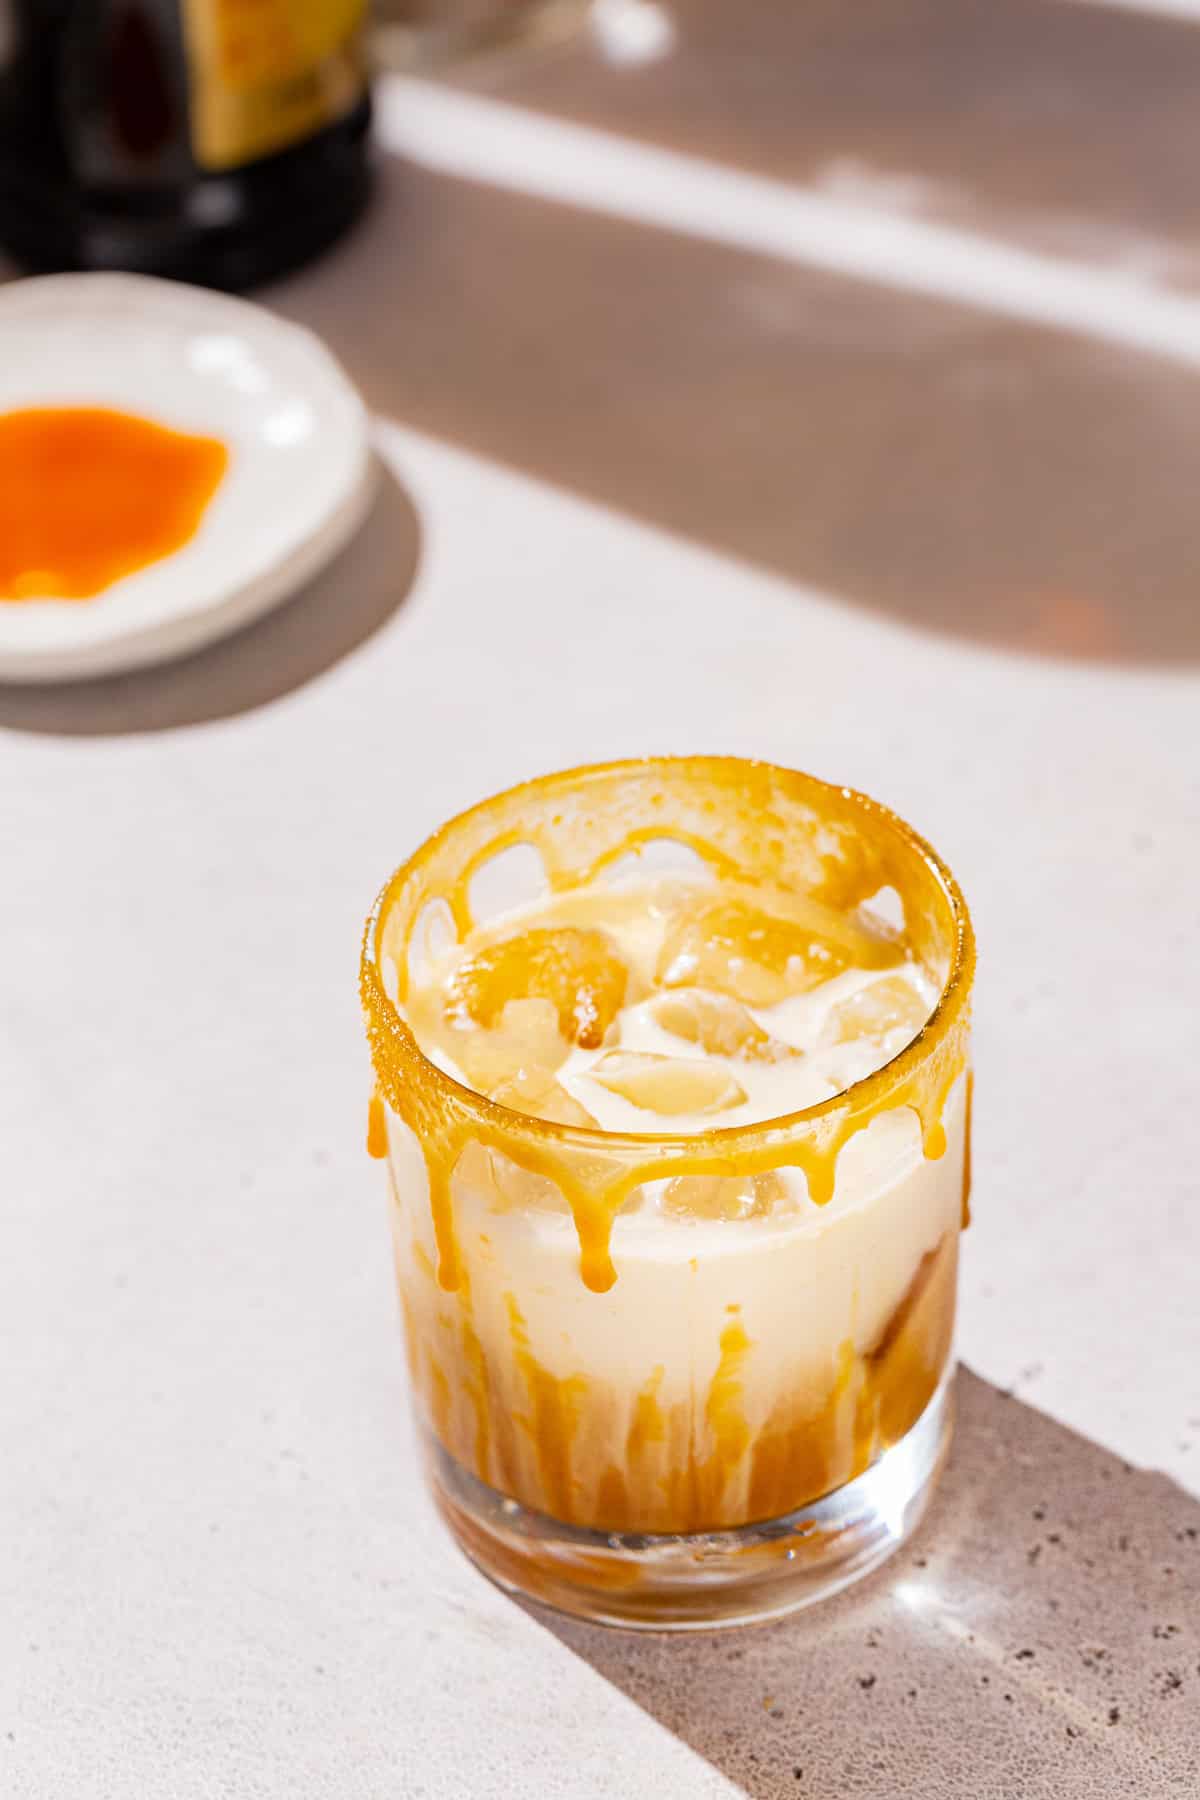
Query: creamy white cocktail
x=678, y=1160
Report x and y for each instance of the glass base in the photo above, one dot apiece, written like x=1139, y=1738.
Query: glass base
x=705, y=1580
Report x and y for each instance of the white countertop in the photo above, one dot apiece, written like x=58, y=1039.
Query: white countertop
x=219, y=1574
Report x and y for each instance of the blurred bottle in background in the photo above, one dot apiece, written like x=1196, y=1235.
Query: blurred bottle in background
x=218, y=141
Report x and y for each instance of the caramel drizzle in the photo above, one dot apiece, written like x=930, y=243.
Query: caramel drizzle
x=554, y=1441
x=377, y=1144
x=595, y=1203
x=594, y=1177
x=967, y=1122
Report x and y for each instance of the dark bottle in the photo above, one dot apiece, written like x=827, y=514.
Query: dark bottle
x=218, y=141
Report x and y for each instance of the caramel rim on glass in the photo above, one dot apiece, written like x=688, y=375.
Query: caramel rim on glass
x=865, y=1094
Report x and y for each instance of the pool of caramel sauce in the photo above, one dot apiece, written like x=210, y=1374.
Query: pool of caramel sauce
x=88, y=495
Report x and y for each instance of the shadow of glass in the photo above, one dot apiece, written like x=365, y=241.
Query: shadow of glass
x=1039, y=1636
x=291, y=645
x=962, y=472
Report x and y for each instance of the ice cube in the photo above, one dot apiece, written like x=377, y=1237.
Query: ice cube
x=506, y=1186
x=579, y=971
x=875, y=1012
x=538, y=1091
x=719, y=1024
x=671, y=1085
x=755, y=956
x=723, y=1196
x=526, y=1035
x=762, y=944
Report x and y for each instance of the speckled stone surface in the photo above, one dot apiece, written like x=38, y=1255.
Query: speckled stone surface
x=1040, y=1636
x=216, y=1557
x=644, y=492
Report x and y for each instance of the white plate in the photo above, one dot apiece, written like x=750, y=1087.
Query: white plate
x=297, y=485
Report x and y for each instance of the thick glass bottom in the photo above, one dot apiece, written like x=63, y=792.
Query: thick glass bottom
x=703, y=1580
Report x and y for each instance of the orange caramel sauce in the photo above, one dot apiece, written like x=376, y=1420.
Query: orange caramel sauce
x=692, y=1466
x=88, y=495
x=966, y=1183
x=377, y=1144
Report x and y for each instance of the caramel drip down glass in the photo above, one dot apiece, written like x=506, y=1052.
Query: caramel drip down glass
x=651, y=1420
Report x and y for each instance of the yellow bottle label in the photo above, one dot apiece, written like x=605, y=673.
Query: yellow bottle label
x=266, y=73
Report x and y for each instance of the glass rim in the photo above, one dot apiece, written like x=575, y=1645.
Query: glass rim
x=866, y=1093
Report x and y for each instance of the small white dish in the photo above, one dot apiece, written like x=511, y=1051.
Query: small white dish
x=296, y=489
